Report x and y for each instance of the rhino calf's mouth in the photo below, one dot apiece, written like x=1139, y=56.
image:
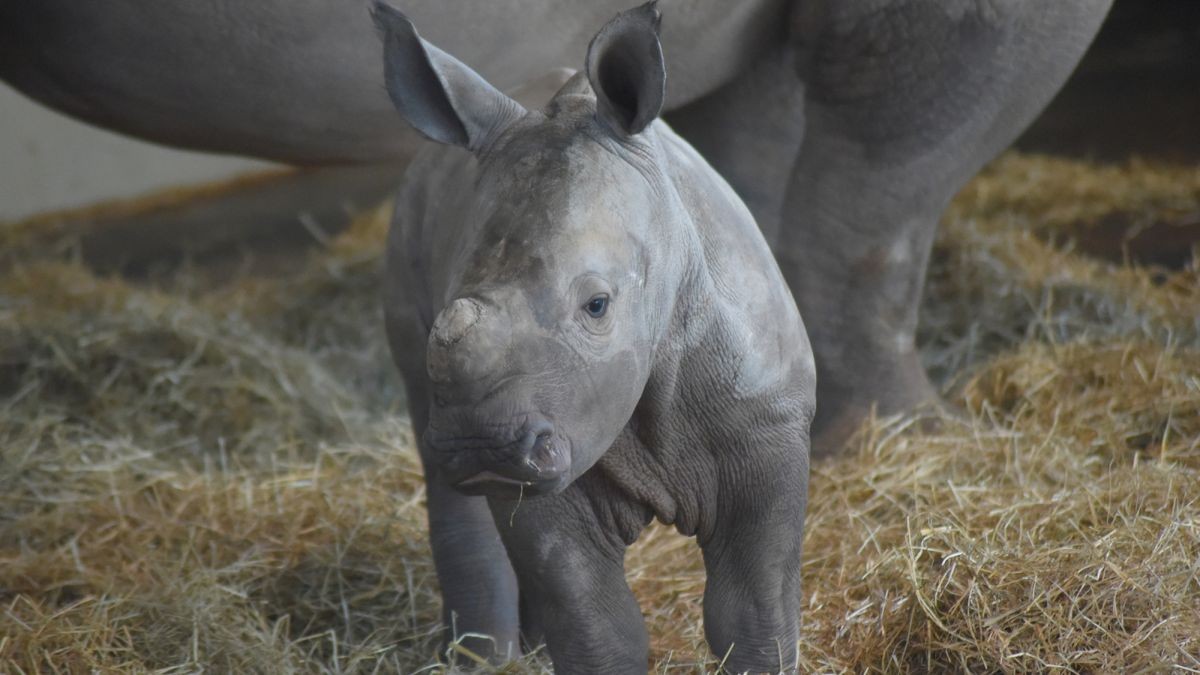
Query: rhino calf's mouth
x=535, y=459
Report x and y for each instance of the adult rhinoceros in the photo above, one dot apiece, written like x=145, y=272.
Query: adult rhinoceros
x=846, y=125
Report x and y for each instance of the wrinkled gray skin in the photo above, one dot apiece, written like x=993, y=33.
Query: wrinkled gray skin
x=845, y=125
x=688, y=398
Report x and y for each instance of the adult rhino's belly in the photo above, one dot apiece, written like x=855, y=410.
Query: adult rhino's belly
x=301, y=80
x=706, y=42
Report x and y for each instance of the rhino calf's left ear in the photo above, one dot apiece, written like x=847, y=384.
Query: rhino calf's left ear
x=437, y=94
x=626, y=69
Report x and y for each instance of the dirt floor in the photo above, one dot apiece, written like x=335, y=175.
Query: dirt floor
x=213, y=472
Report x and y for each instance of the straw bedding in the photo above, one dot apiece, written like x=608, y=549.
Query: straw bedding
x=219, y=477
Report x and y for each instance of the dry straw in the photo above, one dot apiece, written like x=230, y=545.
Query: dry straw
x=219, y=478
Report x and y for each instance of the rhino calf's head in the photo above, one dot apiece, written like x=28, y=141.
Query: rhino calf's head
x=568, y=249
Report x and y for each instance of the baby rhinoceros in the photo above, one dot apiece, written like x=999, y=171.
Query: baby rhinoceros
x=593, y=334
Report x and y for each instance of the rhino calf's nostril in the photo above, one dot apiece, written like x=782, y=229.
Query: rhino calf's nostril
x=535, y=440
x=536, y=444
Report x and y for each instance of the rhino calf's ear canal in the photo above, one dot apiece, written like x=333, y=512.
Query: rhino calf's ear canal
x=626, y=69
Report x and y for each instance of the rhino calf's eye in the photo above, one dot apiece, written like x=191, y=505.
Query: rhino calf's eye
x=597, y=306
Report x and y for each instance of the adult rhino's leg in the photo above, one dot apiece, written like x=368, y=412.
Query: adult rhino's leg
x=750, y=131
x=904, y=100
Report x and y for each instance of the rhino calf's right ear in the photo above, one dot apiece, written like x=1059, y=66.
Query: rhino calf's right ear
x=437, y=94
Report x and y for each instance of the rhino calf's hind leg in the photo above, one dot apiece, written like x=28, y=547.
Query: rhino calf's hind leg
x=895, y=105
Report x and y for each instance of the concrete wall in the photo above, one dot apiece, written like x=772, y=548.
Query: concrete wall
x=50, y=162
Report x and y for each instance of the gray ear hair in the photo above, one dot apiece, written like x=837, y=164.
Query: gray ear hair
x=625, y=67
x=436, y=93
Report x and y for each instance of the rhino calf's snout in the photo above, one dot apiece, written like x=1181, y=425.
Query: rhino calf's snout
x=532, y=456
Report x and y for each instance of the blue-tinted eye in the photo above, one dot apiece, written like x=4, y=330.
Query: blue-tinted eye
x=597, y=306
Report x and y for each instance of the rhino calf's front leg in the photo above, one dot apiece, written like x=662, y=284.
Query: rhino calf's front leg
x=479, y=589
x=571, y=571
x=752, y=561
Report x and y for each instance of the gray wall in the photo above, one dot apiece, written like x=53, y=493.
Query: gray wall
x=51, y=162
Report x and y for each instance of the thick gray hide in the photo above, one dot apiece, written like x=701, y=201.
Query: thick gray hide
x=594, y=334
